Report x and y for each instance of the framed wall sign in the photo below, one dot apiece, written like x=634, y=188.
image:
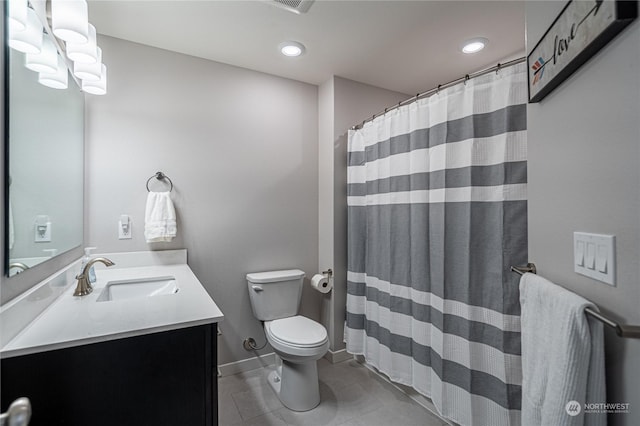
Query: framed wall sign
x=579, y=31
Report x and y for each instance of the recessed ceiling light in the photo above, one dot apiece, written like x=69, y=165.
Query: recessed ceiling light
x=474, y=45
x=291, y=48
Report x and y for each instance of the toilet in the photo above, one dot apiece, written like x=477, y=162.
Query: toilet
x=299, y=342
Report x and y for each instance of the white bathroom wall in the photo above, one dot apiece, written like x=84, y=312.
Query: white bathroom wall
x=325, y=195
x=584, y=175
x=241, y=149
x=343, y=103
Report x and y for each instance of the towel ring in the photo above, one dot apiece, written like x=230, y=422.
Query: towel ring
x=160, y=176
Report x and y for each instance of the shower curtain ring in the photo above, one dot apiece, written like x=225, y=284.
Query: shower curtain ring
x=466, y=78
x=498, y=68
x=438, y=89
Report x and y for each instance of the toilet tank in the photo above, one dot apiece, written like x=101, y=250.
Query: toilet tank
x=275, y=294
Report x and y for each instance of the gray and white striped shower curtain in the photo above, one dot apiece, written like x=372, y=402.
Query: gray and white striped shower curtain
x=437, y=214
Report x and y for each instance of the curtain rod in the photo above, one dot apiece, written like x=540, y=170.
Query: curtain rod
x=430, y=92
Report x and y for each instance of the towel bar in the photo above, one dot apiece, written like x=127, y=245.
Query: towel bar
x=159, y=176
x=629, y=331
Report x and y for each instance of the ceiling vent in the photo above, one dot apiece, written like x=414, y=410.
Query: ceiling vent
x=295, y=6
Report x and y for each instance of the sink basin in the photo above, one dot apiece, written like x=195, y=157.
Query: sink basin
x=138, y=288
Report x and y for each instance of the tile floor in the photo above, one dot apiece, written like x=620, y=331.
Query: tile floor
x=351, y=395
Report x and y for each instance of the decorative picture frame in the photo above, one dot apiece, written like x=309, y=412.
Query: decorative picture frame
x=580, y=30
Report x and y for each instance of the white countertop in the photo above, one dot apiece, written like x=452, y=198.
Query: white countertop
x=73, y=321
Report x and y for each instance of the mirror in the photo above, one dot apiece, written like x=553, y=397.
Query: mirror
x=44, y=166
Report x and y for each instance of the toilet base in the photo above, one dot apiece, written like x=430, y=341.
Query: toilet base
x=296, y=385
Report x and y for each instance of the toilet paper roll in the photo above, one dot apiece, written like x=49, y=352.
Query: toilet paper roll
x=321, y=283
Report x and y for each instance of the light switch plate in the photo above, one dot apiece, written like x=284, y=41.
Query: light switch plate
x=594, y=256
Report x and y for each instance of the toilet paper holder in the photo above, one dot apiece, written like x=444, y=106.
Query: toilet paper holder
x=328, y=273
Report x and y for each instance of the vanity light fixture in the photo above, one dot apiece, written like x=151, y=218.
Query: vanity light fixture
x=57, y=43
x=70, y=20
x=89, y=72
x=58, y=79
x=85, y=53
x=474, y=45
x=96, y=87
x=28, y=40
x=17, y=15
x=291, y=48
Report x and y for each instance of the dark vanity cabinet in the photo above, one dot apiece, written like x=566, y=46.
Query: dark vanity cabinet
x=165, y=378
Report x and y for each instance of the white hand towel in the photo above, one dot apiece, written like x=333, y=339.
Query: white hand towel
x=159, y=218
x=562, y=356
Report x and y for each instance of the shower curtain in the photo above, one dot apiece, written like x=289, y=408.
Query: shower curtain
x=437, y=214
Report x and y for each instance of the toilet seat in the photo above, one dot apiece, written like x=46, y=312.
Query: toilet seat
x=297, y=331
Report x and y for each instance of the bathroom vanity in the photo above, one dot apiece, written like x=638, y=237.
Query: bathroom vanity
x=122, y=355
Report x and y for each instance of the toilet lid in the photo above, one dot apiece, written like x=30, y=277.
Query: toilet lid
x=298, y=331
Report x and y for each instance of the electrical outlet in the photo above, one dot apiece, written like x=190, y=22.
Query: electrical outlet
x=124, y=227
x=42, y=229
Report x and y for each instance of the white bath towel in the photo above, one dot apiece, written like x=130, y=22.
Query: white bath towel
x=562, y=357
x=159, y=218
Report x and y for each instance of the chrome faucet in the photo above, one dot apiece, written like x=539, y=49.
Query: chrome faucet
x=84, y=286
x=18, y=265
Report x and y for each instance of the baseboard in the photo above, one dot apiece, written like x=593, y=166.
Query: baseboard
x=269, y=359
x=337, y=356
x=410, y=392
x=258, y=361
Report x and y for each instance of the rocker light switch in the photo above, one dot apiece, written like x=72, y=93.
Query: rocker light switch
x=594, y=256
x=591, y=256
x=579, y=253
x=602, y=255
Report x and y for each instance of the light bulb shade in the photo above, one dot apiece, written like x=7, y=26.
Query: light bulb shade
x=28, y=40
x=89, y=72
x=70, y=20
x=17, y=15
x=98, y=87
x=86, y=53
x=46, y=61
x=58, y=79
